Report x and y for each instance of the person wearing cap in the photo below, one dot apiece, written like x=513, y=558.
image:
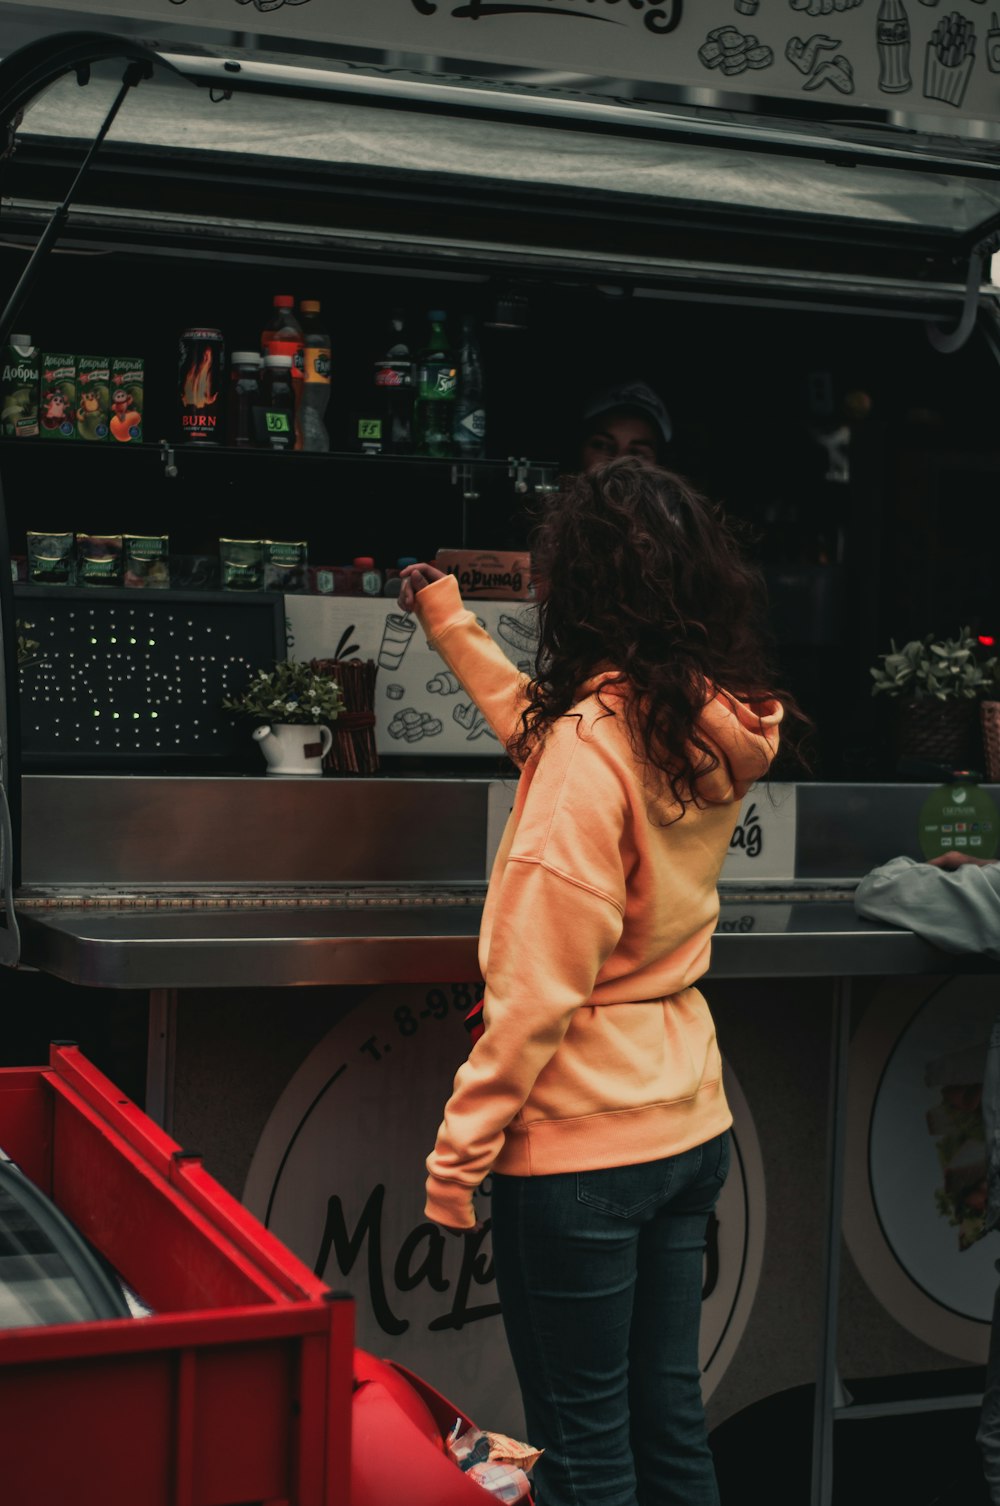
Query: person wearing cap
x=626, y=419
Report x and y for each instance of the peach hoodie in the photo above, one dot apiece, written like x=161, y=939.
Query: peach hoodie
x=597, y=1050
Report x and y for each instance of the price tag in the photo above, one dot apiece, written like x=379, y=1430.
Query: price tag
x=277, y=423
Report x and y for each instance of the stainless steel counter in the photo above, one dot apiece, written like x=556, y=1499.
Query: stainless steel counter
x=163, y=884
x=295, y=944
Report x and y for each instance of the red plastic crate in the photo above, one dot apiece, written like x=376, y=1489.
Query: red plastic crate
x=237, y=1390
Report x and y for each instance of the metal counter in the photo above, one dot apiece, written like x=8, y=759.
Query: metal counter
x=335, y=943
x=171, y=883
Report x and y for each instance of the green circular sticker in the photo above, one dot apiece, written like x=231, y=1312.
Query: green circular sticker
x=959, y=818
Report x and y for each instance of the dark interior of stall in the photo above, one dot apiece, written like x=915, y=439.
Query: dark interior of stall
x=862, y=461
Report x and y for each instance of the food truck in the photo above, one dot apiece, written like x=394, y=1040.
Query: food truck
x=781, y=217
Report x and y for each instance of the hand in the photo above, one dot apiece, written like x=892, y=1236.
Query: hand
x=415, y=578
x=957, y=859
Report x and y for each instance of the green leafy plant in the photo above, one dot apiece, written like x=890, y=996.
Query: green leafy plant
x=936, y=669
x=27, y=648
x=291, y=692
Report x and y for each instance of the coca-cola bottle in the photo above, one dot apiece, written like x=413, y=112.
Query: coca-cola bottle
x=395, y=390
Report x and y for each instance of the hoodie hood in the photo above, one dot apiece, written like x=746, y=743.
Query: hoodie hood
x=743, y=735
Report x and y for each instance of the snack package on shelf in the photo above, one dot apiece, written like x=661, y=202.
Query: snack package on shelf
x=286, y=565
x=99, y=559
x=241, y=564
x=50, y=559
x=147, y=560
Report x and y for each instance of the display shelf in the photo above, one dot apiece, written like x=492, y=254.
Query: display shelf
x=184, y=454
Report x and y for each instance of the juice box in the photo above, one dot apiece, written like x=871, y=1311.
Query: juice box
x=19, y=374
x=57, y=406
x=127, y=381
x=93, y=408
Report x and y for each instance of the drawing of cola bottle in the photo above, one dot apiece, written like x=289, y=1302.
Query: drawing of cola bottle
x=892, y=33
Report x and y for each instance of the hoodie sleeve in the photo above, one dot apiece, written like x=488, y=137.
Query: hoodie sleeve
x=556, y=922
x=957, y=910
x=482, y=667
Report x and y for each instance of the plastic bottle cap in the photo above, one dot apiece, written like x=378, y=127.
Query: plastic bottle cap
x=282, y=362
x=406, y=559
x=310, y=305
x=437, y=315
x=246, y=358
x=282, y=301
x=20, y=339
x=364, y=562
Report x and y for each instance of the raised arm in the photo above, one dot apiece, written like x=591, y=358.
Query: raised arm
x=485, y=672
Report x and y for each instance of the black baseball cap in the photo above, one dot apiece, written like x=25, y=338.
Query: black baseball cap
x=639, y=398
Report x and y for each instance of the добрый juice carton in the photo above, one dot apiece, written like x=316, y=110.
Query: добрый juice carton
x=57, y=406
x=19, y=373
x=93, y=408
x=127, y=379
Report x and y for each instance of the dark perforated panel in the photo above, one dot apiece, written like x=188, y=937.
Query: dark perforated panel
x=138, y=677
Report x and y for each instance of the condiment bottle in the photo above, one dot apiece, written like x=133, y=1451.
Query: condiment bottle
x=368, y=580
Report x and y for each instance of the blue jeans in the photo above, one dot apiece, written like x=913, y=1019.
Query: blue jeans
x=600, y=1277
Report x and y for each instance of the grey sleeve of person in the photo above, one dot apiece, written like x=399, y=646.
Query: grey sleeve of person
x=958, y=911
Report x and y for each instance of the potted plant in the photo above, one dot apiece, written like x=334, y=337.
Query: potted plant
x=292, y=707
x=27, y=648
x=938, y=684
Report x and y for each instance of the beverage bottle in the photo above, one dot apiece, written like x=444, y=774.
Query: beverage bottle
x=395, y=390
x=20, y=374
x=275, y=419
x=367, y=579
x=244, y=397
x=283, y=336
x=892, y=33
x=436, y=380
x=310, y=427
x=283, y=324
x=469, y=424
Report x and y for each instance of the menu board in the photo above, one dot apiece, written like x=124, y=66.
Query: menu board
x=379, y=1079
x=911, y=55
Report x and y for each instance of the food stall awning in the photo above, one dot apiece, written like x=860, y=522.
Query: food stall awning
x=233, y=143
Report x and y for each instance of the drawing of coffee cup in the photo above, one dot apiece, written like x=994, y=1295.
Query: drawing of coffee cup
x=396, y=635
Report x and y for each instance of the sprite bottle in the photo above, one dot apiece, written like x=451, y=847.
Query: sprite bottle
x=436, y=384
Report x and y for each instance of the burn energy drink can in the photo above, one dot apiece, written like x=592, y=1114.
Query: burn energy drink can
x=200, y=376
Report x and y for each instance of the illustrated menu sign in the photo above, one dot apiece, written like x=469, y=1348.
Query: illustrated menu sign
x=913, y=55
x=915, y=1195
x=420, y=706
x=339, y=1174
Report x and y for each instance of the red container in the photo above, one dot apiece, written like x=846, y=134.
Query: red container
x=238, y=1389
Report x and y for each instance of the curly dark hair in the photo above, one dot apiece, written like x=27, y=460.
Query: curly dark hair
x=640, y=573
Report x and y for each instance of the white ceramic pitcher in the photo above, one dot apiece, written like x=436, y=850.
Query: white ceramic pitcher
x=294, y=747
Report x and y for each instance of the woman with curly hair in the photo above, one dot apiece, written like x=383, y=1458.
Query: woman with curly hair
x=594, y=1096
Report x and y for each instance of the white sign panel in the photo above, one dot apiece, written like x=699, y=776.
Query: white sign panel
x=420, y=707
x=763, y=844
x=886, y=54
x=339, y=1173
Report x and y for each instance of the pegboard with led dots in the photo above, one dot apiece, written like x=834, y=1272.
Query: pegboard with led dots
x=129, y=677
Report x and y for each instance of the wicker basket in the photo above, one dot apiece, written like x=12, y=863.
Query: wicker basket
x=943, y=732
x=990, y=712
